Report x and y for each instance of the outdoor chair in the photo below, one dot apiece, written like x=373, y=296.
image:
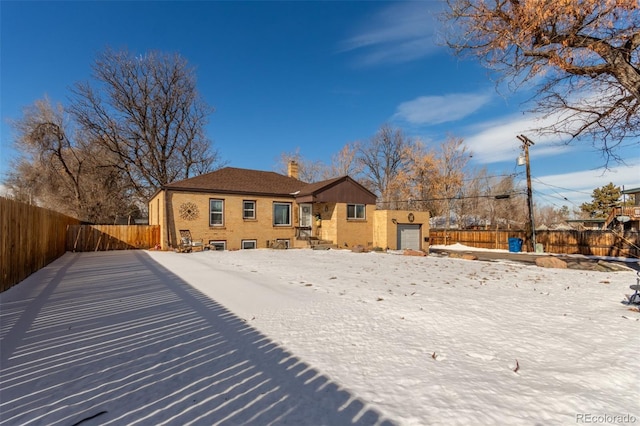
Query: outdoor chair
x=187, y=243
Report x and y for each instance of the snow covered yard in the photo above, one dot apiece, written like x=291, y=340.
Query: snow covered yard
x=116, y=339
x=316, y=337
x=435, y=340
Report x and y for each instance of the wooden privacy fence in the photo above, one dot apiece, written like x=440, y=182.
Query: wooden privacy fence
x=592, y=242
x=489, y=239
x=112, y=237
x=30, y=238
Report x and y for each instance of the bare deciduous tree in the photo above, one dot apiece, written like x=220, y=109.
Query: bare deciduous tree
x=551, y=217
x=308, y=171
x=582, y=54
x=509, y=208
x=43, y=141
x=61, y=170
x=383, y=158
x=345, y=162
x=472, y=197
x=147, y=111
x=420, y=179
x=452, y=160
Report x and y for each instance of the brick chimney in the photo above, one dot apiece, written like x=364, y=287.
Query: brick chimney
x=292, y=169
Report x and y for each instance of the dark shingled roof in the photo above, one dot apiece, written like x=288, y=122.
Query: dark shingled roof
x=240, y=181
x=231, y=180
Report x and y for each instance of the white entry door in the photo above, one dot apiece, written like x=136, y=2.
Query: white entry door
x=305, y=216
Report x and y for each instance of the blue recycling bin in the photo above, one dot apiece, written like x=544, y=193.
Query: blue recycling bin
x=515, y=245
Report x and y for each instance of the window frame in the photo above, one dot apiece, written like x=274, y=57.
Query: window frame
x=211, y=212
x=289, y=218
x=215, y=243
x=245, y=210
x=287, y=242
x=243, y=242
x=355, y=211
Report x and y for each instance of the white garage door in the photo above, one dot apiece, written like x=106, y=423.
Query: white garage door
x=409, y=237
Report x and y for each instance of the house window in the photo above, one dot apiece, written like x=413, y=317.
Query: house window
x=216, y=212
x=218, y=245
x=249, y=244
x=355, y=211
x=248, y=209
x=282, y=243
x=282, y=214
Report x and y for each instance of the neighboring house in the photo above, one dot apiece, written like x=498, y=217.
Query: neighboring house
x=627, y=217
x=234, y=208
x=587, y=224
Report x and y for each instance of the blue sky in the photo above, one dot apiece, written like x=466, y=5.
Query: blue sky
x=312, y=76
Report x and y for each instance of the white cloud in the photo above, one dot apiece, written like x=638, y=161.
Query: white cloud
x=440, y=109
x=496, y=141
x=590, y=179
x=400, y=33
x=578, y=186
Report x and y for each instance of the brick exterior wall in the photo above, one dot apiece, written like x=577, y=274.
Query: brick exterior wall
x=190, y=210
x=385, y=232
x=235, y=227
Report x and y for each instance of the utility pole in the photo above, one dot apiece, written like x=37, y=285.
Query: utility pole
x=531, y=230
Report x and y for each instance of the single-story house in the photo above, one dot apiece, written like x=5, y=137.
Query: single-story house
x=235, y=208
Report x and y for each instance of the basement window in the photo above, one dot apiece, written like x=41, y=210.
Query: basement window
x=282, y=242
x=249, y=244
x=218, y=245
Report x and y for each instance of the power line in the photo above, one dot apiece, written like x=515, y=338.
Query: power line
x=495, y=196
x=560, y=196
x=557, y=196
x=559, y=187
x=489, y=177
x=547, y=196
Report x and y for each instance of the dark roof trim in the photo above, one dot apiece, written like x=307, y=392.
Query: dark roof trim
x=318, y=187
x=246, y=182
x=225, y=191
x=631, y=191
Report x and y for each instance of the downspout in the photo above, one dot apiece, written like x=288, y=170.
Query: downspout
x=167, y=209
